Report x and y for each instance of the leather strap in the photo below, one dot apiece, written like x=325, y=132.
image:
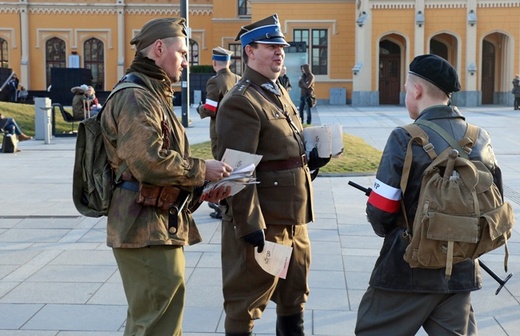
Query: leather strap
x=276, y=165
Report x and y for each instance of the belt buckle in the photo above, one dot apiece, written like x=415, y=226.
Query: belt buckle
x=303, y=159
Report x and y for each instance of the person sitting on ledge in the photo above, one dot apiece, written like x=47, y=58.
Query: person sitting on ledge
x=9, y=126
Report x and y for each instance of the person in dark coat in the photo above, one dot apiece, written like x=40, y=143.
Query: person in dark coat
x=400, y=299
x=284, y=79
x=516, y=91
x=306, y=85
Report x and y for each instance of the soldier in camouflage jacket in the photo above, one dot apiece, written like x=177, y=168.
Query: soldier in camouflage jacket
x=141, y=130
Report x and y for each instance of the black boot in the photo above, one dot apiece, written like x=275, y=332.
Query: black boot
x=238, y=334
x=291, y=325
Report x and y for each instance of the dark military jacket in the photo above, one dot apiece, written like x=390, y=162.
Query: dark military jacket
x=216, y=87
x=253, y=119
x=131, y=123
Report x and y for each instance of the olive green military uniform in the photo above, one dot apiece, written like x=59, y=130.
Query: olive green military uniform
x=216, y=87
x=281, y=203
x=150, y=259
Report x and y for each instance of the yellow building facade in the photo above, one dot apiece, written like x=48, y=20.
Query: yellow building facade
x=357, y=48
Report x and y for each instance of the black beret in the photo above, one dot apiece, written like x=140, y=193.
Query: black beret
x=437, y=71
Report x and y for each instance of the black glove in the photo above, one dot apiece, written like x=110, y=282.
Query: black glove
x=256, y=238
x=315, y=161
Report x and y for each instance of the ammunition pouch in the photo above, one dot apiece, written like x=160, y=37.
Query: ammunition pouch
x=163, y=198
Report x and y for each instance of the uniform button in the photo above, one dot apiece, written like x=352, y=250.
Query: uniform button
x=276, y=183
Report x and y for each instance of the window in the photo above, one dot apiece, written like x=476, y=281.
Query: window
x=194, y=53
x=236, y=59
x=54, y=56
x=95, y=61
x=4, y=58
x=244, y=7
x=318, y=48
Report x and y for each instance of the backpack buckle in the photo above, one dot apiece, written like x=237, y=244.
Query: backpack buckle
x=429, y=147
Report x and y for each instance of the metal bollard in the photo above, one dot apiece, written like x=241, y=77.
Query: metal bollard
x=47, y=128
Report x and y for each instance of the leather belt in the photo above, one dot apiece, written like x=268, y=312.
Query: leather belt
x=275, y=165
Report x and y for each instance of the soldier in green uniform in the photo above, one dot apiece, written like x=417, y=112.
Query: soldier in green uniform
x=257, y=116
x=148, y=220
x=216, y=87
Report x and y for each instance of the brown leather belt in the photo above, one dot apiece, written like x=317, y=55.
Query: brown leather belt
x=275, y=165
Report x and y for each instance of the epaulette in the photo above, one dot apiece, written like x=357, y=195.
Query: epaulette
x=242, y=86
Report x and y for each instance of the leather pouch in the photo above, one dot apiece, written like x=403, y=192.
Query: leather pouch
x=148, y=194
x=167, y=197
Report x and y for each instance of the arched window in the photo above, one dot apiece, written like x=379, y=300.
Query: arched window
x=95, y=61
x=194, y=52
x=4, y=57
x=54, y=56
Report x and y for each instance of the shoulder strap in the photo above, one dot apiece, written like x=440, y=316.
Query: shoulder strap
x=420, y=137
x=123, y=85
x=464, y=145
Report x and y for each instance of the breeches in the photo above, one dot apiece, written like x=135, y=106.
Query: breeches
x=247, y=288
x=153, y=280
x=403, y=314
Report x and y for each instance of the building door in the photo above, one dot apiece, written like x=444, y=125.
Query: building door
x=389, y=73
x=488, y=73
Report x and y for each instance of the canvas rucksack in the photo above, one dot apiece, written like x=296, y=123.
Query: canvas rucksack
x=461, y=213
x=93, y=179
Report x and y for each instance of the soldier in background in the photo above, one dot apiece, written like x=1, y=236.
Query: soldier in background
x=216, y=87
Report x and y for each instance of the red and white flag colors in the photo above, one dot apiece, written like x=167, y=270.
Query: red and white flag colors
x=385, y=197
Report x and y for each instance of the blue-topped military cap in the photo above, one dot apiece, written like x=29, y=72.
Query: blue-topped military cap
x=437, y=71
x=265, y=31
x=221, y=54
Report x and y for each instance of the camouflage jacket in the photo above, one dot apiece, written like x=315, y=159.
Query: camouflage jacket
x=132, y=130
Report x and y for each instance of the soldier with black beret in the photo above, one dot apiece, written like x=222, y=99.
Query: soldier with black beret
x=258, y=116
x=148, y=220
x=401, y=299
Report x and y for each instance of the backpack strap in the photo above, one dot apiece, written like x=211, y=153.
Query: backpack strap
x=464, y=145
x=420, y=137
x=120, y=86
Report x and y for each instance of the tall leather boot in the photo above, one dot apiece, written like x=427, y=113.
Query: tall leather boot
x=291, y=325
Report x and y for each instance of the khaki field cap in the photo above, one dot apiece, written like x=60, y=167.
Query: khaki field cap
x=265, y=31
x=157, y=29
x=221, y=54
x=437, y=71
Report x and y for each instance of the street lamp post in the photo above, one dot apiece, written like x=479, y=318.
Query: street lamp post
x=185, y=80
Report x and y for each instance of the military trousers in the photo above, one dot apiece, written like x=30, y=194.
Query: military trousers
x=385, y=313
x=247, y=288
x=153, y=280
